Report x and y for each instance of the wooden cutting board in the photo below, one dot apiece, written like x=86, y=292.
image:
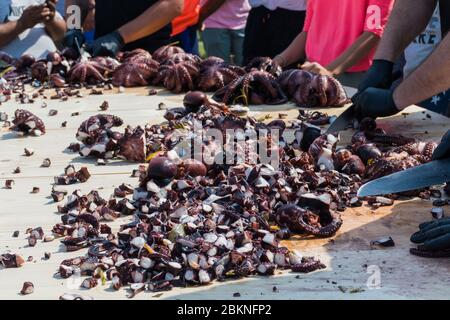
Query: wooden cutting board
x=347, y=256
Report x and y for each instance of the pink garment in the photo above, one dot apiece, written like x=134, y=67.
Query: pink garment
x=231, y=15
x=333, y=26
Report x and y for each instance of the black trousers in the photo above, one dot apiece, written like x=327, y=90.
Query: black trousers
x=268, y=33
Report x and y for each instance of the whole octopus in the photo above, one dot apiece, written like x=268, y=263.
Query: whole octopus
x=260, y=82
x=312, y=91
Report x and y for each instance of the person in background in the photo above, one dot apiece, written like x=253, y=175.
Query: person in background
x=126, y=25
x=418, y=51
x=222, y=24
x=271, y=27
x=376, y=97
x=184, y=27
x=339, y=38
x=30, y=27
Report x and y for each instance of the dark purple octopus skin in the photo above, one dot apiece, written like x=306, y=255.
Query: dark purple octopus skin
x=312, y=91
x=135, y=54
x=39, y=70
x=89, y=71
x=256, y=87
x=369, y=132
x=165, y=52
x=387, y=165
x=135, y=72
x=27, y=123
x=182, y=57
x=401, y=158
x=264, y=64
x=132, y=146
x=177, y=77
x=296, y=218
x=92, y=128
x=424, y=150
x=308, y=264
x=216, y=74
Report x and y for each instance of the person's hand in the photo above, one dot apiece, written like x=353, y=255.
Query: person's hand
x=49, y=10
x=71, y=37
x=443, y=149
x=32, y=15
x=279, y=60
x=316, y=68
x=107, y=45
x=378, y=76
x=374, y=103
x=433, y=238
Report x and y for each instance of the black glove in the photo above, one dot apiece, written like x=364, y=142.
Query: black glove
x=378, y=76
x=108, y=45
x=434, y=239
x=71, y=35
x=443, y=150
x=374, y=103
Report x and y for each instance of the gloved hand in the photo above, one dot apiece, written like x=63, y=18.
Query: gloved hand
x=71, y=35
x=433, y=239
x=443, y=149
x=107, y=45
x=374, y=103
x=378, y=76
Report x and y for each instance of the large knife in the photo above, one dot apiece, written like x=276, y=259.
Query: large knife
x=343, y=121
x=84, y=54
x=427, y=175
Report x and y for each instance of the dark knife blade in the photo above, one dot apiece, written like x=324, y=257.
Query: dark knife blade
x=343, y=121
x=427, y=175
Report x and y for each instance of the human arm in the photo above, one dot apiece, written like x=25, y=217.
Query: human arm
x=399, y=33
x=151, y=20
x=407, y=20
x=429, y=79
x=362, y=47
x=295, y=52
x=54, y=25
x=31, y=16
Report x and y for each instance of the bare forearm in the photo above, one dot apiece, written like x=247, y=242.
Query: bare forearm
x=56, y=29
x=407, y=20
x=153, y=19
x=295, y=52
x=357, y=51
x=9, y=31
x=430, y=78
x=209, y=8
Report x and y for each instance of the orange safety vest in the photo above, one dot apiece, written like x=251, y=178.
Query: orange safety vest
x=188, y=18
